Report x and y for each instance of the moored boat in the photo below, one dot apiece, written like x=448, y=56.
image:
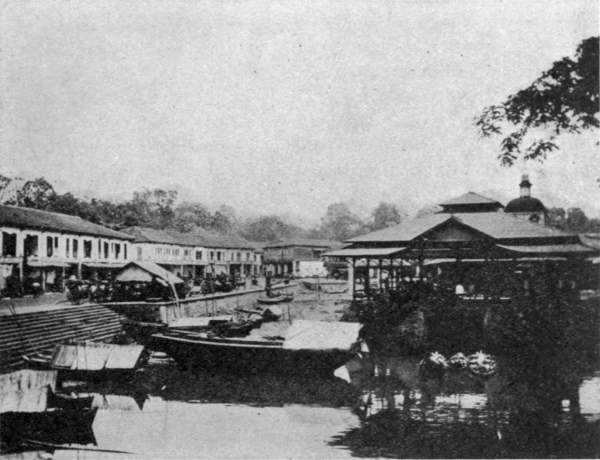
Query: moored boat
x=276, y=299
x=307, y=347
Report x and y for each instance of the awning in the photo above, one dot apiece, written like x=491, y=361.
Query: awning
x=143, y=271
x=563, y=249
x=365, y=252
x=101, y=265
x=49, y=263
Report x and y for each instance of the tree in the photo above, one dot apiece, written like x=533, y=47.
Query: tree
x=153, y=208
x=37, y=193
x=385, y=215
x=268, y=228
x=224, y=219
x=563, y=99
x=191, y=215
x=340, y=223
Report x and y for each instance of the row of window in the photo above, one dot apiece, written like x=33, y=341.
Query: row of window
x=213, y=255
x=71, y=249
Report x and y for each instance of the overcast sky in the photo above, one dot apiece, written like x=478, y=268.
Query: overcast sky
x=282, y=106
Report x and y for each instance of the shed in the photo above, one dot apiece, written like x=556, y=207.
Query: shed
x=145, y=272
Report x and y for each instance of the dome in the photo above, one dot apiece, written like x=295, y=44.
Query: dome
x=525, y=204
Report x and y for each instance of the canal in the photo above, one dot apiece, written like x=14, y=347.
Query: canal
x=388, y=412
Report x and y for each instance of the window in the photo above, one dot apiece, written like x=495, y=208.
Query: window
x=158, y=251
x=186, y=253
x=212, y=255
x=247, y=256
x=49, y=246
x=239, y=256
x=87, y=249
x=56, y=242
x=67, y=247
x=125, y=251
x=218, y=255
x=198, y=255
x=9, y=244
x=106, y=250
x=75, y=248
x=139, y=252
x=99, y=248
x=176, y=252
x=117, y=250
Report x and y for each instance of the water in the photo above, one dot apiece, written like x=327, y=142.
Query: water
x=168, y=413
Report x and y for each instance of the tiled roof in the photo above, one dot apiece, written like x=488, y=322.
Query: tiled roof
x=404, y=231
x=497, y=225
x=500, y=225
x=469, y=198
x=307, y=242
x=202, y=238
x=52, y=221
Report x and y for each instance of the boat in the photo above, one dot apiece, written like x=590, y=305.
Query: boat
x=280, y=298
x=29, y=410
x=325, y=285
x=55, y=425
x=91, y=360
x=306, y=347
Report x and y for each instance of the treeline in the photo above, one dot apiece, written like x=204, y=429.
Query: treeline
x=159, y=208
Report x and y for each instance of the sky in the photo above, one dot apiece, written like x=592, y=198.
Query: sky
x=283, y=107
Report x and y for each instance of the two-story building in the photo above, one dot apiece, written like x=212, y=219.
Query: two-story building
x=193, y=254
x=47, y=247
x=297, y=257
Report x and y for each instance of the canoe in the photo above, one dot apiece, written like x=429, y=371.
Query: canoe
x=253, y=353
x=58, y=426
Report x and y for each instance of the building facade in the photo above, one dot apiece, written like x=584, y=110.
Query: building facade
x=194, y=255
x=46, y=248
x=299, y=257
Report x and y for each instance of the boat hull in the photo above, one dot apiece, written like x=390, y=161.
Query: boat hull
x=249, y=357
x=55, y=426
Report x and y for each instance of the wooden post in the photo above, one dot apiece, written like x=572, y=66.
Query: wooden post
x=368, y=280
x=353, y=278
x=380, y=275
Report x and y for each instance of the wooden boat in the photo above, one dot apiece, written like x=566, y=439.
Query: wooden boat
x=53, y=425
x=253, y=353
x=28, y=411
x=325, y=285
x=276, y=299
x=91, y=360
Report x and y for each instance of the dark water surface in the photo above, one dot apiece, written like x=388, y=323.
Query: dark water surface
x=388, y=412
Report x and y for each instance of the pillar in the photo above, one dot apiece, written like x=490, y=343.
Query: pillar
x=351, y=277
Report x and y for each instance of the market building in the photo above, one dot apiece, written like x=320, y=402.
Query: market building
x=470, y=236
x=45, y=248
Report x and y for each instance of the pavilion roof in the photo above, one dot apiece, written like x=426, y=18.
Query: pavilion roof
x=497, y=225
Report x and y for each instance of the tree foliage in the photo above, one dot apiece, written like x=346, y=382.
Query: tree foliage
x=385, y=215
x=564, y=99
x=340, y=223
x=573, y=220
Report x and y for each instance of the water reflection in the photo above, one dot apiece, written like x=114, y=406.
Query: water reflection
x=538, y=410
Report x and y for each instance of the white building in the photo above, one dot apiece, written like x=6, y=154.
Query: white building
x=47, y=247
x=192, y=255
